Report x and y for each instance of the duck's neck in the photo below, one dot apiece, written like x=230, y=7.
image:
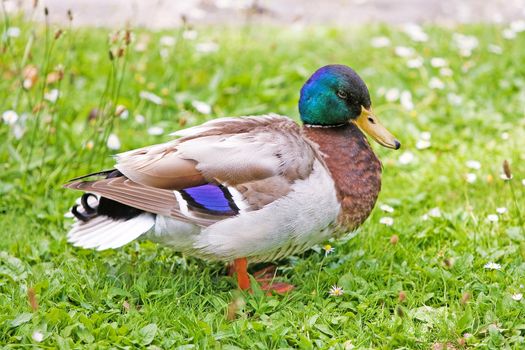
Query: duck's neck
x=354, y=167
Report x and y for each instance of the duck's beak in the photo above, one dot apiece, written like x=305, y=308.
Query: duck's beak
x=369, y=123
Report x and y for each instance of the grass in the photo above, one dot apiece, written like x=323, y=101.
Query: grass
x=416, y=284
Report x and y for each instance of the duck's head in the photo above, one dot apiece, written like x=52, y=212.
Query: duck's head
x=335, y=95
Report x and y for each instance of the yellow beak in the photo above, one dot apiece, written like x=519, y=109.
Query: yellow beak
x=369, y=123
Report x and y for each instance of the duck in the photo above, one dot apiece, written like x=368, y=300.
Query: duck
x=244, y=190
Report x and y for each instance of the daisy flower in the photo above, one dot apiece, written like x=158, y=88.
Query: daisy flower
x=336, y=291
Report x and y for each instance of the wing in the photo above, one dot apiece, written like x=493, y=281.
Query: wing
x=212, y=171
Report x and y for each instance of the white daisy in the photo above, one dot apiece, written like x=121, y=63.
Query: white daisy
x=501, y=210
x=415, y=32
x=52, y=96
x=416, y=62
x=492, y=218
x=406, y=157
x=151, y=97
x=386, y=208
x=10, y=117
x=434, y=212
x=207, y=47
x=392, y=95
x=406, y=100
x=517, y=296
x=167, y=40
x=438, y=62
x=423, y=144
x=113, y=142
x=37, y=336
x=436, y=83
x=403, y=51
x=380, y=41
x=492, y=266
x=155, y=130
x=201, y=107
x=473, y=164
x=471, y=178
x=336, y=291
x=386, y=220
x=425, y=135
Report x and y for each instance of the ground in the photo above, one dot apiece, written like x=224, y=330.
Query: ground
x=439, y=264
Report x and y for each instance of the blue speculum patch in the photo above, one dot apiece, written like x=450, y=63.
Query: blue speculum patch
x=210, y=198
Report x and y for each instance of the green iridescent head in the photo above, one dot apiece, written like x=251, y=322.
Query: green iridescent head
x=335, y=95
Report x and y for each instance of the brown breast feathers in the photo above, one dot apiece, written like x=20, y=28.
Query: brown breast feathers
x=354, y=167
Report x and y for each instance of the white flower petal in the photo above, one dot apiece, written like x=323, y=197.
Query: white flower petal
x=386, y=208
x=518, y=26
x=13, y=32
x=454, y=99
x=113, y=142
x=10, y=117
x=52, y=96
x=415, y=62
x=492, y=266
x=155, y=130
x=492, y=218
x=190, y=34
x=406, y=157
x=37, y=336
x=415, y=32
x=392, y=95
x=404, y=51
x=386, y=220
x=151, y=97
x=517, y=296
x=438, y=62
x=436, y=83
x=501, y=210
x=471, y=178
x=423, y=144
x=167, y=40
x=508, y=34
x=207, y=47
x=473, y=164
x=380, y=41
x=425, y=135
x=434, y=212
x=139, y=118
x=406, y=100
x=495, y=49
x=201, y=107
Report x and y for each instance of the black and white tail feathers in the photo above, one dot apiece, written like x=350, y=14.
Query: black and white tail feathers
x=102, y=223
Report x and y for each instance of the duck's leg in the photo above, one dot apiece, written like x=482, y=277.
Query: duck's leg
x=241, y=269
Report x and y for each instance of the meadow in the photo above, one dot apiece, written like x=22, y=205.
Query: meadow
x=438, y=265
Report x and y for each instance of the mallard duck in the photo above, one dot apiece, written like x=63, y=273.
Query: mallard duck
x=247, y=189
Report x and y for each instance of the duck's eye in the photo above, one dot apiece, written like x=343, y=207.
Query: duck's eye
x=342, y=94
x=371, y=120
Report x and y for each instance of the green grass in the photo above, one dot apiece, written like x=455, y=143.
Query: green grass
x=144, y=295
